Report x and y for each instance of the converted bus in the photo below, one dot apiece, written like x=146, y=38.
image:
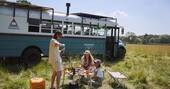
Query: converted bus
x=25, y=32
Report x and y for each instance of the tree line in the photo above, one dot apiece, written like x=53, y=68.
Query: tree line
x=23, y=1
x=132, y=38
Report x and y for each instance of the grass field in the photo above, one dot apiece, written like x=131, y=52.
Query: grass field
x=146, y=66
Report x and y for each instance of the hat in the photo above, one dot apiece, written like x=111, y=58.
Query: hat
x=87, y=52
x=97, y=61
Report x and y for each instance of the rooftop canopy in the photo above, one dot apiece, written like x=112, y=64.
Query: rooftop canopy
x=86, y=15
x=22, y=5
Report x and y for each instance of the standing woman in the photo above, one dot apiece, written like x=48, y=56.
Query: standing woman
x=55, y=59
x=87, y=60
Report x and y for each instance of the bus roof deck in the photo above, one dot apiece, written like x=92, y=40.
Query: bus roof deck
x=87, y=15
x=33, y=19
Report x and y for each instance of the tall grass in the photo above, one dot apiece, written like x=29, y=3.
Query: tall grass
x=20, y=80
x=147, y=66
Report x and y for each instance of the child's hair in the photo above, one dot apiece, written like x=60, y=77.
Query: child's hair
x=98, y=61
x=57, y=33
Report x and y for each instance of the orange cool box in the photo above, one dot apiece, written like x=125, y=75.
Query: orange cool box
x=37, y=83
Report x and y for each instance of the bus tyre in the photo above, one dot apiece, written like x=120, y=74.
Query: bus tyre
x=121, y=52
x=31, y=56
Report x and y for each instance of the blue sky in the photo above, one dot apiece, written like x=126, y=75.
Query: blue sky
x=138, y=16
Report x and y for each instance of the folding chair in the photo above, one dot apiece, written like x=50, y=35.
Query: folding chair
x=116, y=76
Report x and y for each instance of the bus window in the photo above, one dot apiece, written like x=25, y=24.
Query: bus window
x=33, y=25
x=86, y=30
x=94, y=30
x=67, y=28
x=57, y=26
x=108, y=31
x=77, y=29
x=33, y=28
x=101, y=31
x=46, y=28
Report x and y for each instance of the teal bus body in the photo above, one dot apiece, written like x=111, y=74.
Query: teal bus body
x=26, y=31
x=13, y=45
x=77, y=45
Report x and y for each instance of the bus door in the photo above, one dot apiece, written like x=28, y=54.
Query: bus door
x=109, y=43
x=112, y=42
x=116, y=42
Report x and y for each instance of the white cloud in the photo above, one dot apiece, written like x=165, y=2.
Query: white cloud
x=118, y=13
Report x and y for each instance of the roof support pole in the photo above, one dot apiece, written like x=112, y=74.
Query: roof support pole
x=82, y=28
x=72, y=28
x=90, y=32
x=118, y=35
x=98, y=28
x=40, y=15
x=52, y=20
x=28, y=14
x=114, y=41
x=13, y=11
x=105, y=30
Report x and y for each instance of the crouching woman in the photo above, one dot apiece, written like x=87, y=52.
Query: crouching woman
x=98, y=74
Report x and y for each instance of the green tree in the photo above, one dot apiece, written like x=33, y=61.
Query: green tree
x=164, y=39
x=23, y=1
x=131, y=38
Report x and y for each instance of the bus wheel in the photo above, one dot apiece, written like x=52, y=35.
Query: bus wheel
x=121, y=52
x=31, y=56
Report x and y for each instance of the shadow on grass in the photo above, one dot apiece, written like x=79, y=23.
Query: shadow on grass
x=67, y=86
x=115, y=85
x=14, y=65
x=109, y=63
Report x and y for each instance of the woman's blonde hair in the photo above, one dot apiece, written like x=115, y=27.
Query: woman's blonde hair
x=91, y=57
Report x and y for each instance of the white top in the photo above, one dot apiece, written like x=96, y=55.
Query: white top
x=54, y=52
x=99, y=72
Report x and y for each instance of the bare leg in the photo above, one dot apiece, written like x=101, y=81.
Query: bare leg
x=53, y=78
x=58, y=79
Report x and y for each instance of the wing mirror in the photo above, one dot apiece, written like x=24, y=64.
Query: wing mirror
x=122, y=30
